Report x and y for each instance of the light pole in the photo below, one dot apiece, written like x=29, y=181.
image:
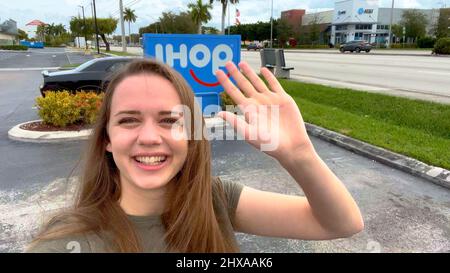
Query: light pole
x=124, y=46
x=96, y=28
x=84, y=27
x=271, y=25
x=390, y=26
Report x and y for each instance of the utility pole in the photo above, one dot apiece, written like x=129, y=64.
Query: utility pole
x=96, y=29
x=390, y=26
x=229, y=17
x=271, y=25
x=84, y=28
x=124, y=46
x=78, y=37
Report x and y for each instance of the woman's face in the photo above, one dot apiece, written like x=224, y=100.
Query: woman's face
x=144, y=130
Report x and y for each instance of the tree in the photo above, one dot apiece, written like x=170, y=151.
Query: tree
x=224, y=10
x=22, y=35
x=210, y=30
x=177, y=23
x=415, y=23
x=284, y=31
x=129, y=16
x=106, y=26
x=443, y=24
x=397, y=31
x=200, y=13
x=314, y=28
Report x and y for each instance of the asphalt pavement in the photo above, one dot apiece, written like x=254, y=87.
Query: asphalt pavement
x=402, y=213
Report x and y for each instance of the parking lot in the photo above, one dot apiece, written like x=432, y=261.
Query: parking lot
x=402, y=213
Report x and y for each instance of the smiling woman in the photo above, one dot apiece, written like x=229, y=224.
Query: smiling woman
x=147, y=184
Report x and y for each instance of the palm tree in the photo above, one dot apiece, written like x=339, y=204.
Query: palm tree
x=129, y=16
x=200, y=13
x=224, y=10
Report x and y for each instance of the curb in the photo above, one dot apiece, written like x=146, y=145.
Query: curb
x=18, y=134
x=372, y=53
x=409, y=165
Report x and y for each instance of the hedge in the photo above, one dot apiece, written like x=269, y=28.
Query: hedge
x=442, y=46
x=13, y=47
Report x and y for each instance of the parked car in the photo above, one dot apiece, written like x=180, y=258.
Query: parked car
x=356, y=46
x=254, y=46
x=88, y=76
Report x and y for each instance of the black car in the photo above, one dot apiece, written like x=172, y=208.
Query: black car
x=88, y=76
x=356, y=46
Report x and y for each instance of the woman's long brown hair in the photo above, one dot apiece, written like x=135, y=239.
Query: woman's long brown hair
x=189, y=218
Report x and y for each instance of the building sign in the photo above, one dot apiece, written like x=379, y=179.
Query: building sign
x=196, y=57
x=362, y=11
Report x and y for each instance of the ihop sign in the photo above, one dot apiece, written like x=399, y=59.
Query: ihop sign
x=196, y=57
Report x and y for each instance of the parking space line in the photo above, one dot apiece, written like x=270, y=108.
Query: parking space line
x=28, y=69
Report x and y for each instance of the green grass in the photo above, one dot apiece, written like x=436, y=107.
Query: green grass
x=70, y=65
x=118, y=53
x=415, y=128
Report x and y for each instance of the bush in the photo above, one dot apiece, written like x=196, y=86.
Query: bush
x=312, y=46
x=89, y=103
x=426, y=42
x=403, y=45
x=226, y=100
x=13, y=47
x=442, y=46
x=61, y=108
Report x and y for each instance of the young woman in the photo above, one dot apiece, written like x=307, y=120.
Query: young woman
x=147, y=184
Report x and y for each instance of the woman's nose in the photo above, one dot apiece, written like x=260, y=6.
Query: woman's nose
x=149, y=134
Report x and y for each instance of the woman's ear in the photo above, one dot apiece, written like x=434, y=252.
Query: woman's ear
x=108, y=147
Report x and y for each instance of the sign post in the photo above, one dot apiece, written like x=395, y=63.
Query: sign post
x=196, y=58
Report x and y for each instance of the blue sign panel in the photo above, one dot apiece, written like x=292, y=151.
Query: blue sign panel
x=32, y=44
x=197, y=58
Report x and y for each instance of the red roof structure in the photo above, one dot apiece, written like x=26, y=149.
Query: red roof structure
x=35, y=23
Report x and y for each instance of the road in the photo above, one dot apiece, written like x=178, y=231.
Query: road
x=420, y=77
x=414, y=75
x=402, y=213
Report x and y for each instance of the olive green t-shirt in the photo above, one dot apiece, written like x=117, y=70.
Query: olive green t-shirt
x=149, y=228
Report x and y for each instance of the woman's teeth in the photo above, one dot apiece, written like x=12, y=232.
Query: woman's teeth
x=151, y=160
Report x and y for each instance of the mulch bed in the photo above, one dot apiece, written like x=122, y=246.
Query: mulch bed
x=40, y=126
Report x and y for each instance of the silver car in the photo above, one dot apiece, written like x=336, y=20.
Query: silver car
x=356, y=46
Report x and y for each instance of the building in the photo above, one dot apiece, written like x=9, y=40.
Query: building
x=294, y=18
x=31, y=28
x=8, y=32
x=358, y=20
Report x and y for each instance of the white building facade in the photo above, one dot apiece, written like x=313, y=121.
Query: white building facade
x=365, y=20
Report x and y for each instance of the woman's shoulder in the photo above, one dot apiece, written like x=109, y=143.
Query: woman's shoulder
x=67, y=244
x=55, y=241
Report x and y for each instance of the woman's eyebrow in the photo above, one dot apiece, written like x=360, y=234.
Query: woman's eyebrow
x=170, y=113
x=128, y=112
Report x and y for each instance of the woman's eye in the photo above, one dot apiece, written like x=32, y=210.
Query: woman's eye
x=127, y=120
x=169, y=120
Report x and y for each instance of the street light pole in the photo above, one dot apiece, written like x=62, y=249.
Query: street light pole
x=96, y=28
x=271, y=25
x=124, y=46
x=390, y=26
x=84, y=27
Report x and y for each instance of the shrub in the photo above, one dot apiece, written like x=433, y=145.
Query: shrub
x=89, y=104
x=13, y=47
x=403, y=45
x=61, y=108
x=312, y=46
x=442, y=46
x=426, y=42
x=226, y=100
x=58, y=109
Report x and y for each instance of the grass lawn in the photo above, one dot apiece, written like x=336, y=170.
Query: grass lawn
x=70, y=65
x=415, y=128
x=118, y=53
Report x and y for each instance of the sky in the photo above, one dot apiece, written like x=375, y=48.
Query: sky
x=148, y=11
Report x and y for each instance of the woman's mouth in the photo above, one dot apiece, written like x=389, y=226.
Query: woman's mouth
x=150, y=162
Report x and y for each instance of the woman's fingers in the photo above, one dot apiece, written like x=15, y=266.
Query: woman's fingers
x=256, y=81
x=239, y=125
x=235, y=94
x=274, y=84
x=244, y=85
